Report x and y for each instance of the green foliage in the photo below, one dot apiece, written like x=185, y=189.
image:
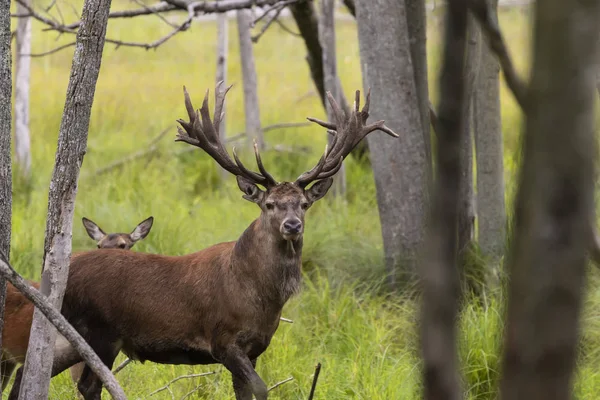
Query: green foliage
x=366, y=340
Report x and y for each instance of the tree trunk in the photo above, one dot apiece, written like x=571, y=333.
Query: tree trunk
x=251, y=108
x=491, y=209
x=439, y=270
x=308, y=24
x=554, y=204
x=401, y=167
x=23, y=68
x=5, y=160
x=466, y=208
x=331, y=80
x=222, y=55
x=416, y=19
x=71, y=148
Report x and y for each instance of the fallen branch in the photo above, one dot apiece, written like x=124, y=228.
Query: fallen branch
x=64, y=328
x=314, y=382
x=482, y=11
x=280, y=383
x=289, y=321
x=167, y=386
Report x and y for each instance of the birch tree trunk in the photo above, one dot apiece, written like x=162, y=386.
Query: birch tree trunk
x=251, y=108
x=5, y=160
x=491, y=208
x=554, y=204
x=327, y=36
x=439, y=270
x=400, y=168
x=222, y=56
x=71, y=148
x=23, y=68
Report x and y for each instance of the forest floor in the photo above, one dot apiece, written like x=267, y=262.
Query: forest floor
x=366, y=343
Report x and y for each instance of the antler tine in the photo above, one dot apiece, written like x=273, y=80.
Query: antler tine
x=261, y=167
x=201, y=132
x=347, y=132
x=309, y=176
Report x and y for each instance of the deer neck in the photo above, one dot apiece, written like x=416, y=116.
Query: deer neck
x=271, y=263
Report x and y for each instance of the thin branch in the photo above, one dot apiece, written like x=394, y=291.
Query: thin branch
x=286, y=28
x=314, y=382
x=280, y=383
x=64, y=328
x=122, y=365
x=180, y=378
x=286, y=320
x=191, y=392
x=47, y=53
x=157, y=14
x=266, y=26
x=482, y=11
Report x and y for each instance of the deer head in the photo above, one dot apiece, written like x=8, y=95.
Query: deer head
x=124, y=241
x=283, y=204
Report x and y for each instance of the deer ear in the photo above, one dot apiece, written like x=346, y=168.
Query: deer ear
x=318, y=190
x=251, y=191
x=142, y=230
x=92, y=229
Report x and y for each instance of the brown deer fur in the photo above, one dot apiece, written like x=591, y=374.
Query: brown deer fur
x=18, y=312
x=221, y=304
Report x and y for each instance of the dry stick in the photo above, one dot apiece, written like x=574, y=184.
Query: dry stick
x=286, y=320
x=122, y=365
x=482, y=11
x=314, y=382
x=63, y=326
x=280, y=383
x=180, y=378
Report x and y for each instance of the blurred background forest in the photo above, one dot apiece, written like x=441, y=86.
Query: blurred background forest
x=365, y=338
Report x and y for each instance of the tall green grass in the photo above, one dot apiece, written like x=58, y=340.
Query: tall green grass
x=366, y=342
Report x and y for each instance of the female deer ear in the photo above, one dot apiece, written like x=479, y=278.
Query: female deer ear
x=318, y=190
x=251, y=191
x=142, y=230
x=92, y=229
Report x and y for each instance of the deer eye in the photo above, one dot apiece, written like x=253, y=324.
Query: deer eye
x=304, y=206
x=270, y=206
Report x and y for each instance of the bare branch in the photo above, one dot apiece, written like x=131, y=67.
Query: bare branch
x=122, y=365
x=314, y=382
x=280, y=383
x=286, y=320
x=266, y=26
x=482, y=11
x=166, y=387
x=47, y=53
x=157, y=14
x=63, y=326
x=286, y=28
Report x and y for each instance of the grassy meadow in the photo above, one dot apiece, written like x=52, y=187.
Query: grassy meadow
x=366, y=343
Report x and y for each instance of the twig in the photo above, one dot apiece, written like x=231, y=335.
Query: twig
x=122, y=365
x=47, y=53
x=482, y=11
x=150, y=149
x=280, y=383
x=157, y=14
x=314, y=382
x=180, y=378
x=266, y=26
x=191, y=392
x=63, y=327
x=286, y=28
x=286, y=320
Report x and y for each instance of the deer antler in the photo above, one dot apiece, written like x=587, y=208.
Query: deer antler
x=204, y=133
x=347, y=132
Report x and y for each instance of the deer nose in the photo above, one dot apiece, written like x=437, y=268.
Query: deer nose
x=292, y=226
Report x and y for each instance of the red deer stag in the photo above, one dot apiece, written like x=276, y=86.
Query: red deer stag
x=221, y=304
x=18, y=313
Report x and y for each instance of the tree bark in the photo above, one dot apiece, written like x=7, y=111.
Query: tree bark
x=331, y=80
x=439, y=271
x=401, y=167
x=71, y=148
x=416, y=19
x=251, y=108
x=5, y=159
x=466, y=211
x=308, y=24
x=554, y=204
x=23, y=68
x=41, y=303
x=222, y=56
x=491, y=208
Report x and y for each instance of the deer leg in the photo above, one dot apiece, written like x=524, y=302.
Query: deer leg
x=245, y=379
x=242, y=389
x=89, y=385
